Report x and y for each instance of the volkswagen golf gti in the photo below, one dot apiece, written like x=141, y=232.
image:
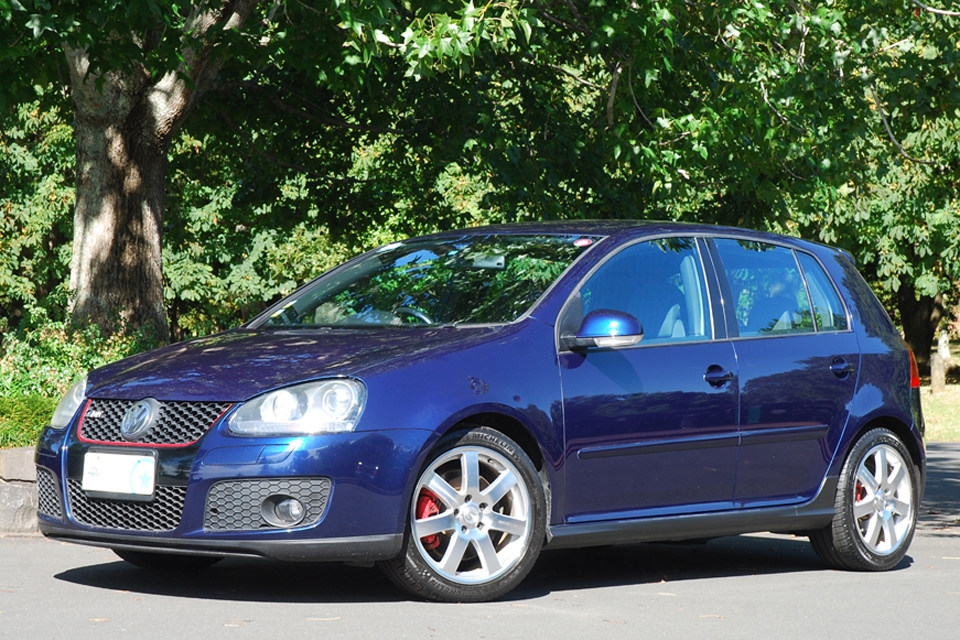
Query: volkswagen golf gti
x=449, y=405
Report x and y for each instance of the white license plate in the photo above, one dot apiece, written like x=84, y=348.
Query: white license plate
x=119, y=473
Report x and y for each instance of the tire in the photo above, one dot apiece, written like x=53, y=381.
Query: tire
x=166, y=561
x=476, y=520
x=876, y=507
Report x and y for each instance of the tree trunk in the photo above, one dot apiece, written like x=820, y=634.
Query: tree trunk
x=117, y=274
x=921, y=317
x=126, y=120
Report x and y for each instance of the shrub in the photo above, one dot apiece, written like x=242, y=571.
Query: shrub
x=38, y=365
x=47, y=358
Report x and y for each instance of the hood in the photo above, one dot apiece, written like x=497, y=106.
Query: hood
x=236, y=365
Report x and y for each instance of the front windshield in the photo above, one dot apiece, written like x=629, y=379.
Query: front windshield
x=468, y=280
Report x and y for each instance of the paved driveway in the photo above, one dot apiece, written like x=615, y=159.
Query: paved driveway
x=745, y=587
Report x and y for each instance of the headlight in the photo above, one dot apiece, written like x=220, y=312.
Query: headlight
x=68, y=406
x=327, y=406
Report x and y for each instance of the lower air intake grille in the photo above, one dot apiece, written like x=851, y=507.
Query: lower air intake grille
x=48, y=493
x=163, y=514
x=234, y=505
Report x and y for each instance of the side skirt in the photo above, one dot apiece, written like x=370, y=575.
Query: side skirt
x=815, y=514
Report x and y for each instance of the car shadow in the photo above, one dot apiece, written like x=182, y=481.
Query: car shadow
x=243, y=579
x=730, y=557
x=252, y=580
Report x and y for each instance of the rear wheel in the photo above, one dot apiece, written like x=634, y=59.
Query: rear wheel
x=166, y=561
x=876, y=507
x=476, y=520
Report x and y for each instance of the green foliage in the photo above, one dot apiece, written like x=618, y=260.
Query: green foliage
x=36, y=197
x=233, y=248
x=22, y=417
x=337, y=127
x=46, y=358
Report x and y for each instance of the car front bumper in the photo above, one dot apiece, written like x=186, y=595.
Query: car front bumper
x=208, y=497
x=348, y=549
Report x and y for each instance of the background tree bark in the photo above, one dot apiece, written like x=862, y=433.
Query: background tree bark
x=125, y=121
x=920, y=316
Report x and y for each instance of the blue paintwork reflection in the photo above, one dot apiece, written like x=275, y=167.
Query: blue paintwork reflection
x=794, y=410
x=617, y=433
x=608, y=323
x=645, y=431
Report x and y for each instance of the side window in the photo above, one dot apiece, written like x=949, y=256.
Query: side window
x=828, y=311
x=767, y=287
x=660, y=283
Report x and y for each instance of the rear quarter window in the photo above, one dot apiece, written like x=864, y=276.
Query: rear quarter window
x=769, y=295
x=829, y=313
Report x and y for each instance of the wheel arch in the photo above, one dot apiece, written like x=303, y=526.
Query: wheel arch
x=508, y=426
x=899, y=429
x=513, y=428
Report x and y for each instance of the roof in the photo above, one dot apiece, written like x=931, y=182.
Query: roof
x=628, y=229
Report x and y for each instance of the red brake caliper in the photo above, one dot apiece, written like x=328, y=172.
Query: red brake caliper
x=860, y=492
x=428, y=505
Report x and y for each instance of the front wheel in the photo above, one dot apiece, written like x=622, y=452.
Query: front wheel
x=476, y=520
x=876, y=507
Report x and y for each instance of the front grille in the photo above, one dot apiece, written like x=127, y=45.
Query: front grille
x=163, y=514
x=234, y=505
x=48, y=494
x=178, y=423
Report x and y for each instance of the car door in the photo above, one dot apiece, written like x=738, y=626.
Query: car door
x=798, y=361
x=645, y=431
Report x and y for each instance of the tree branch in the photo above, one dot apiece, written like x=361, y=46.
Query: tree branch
x=893, y=138
x=613, y=92
x=549, y=17
x=633, y=96
x=939, y=12
x=577, y=15
x=782, y=117
x=281, y=163
x=784, y=166
x=284, y=107
x=557, y=67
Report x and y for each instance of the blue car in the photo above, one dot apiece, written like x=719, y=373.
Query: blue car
x=449, y=405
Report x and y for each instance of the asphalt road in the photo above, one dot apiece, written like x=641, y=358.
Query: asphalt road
x=745, y=587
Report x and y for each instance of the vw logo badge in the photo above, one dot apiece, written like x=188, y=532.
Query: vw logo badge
x=139, y=418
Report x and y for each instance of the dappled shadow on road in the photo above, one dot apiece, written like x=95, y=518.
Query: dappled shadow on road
x=251, y=580
x=940, y=513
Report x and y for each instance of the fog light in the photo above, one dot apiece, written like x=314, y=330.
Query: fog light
x=282, y=511
x=290, y=510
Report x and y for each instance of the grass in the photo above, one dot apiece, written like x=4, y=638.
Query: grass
x=22, y=418
x=941, y=413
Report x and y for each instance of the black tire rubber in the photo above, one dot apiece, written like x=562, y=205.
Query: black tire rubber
x=413, y=574
x=166, y=561
x=840, y=544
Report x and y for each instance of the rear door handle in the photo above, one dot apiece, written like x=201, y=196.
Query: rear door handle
x=841, y=368
x=717, y=376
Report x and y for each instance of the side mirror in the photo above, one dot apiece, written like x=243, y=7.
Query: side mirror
x=604, y=328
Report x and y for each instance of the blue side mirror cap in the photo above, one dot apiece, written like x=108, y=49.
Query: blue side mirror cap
x=605, y=328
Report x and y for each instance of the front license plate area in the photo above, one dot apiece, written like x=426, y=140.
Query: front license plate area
x=119, y=476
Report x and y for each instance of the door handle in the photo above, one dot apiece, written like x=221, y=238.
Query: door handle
x=716, y=376
x=841, y=368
